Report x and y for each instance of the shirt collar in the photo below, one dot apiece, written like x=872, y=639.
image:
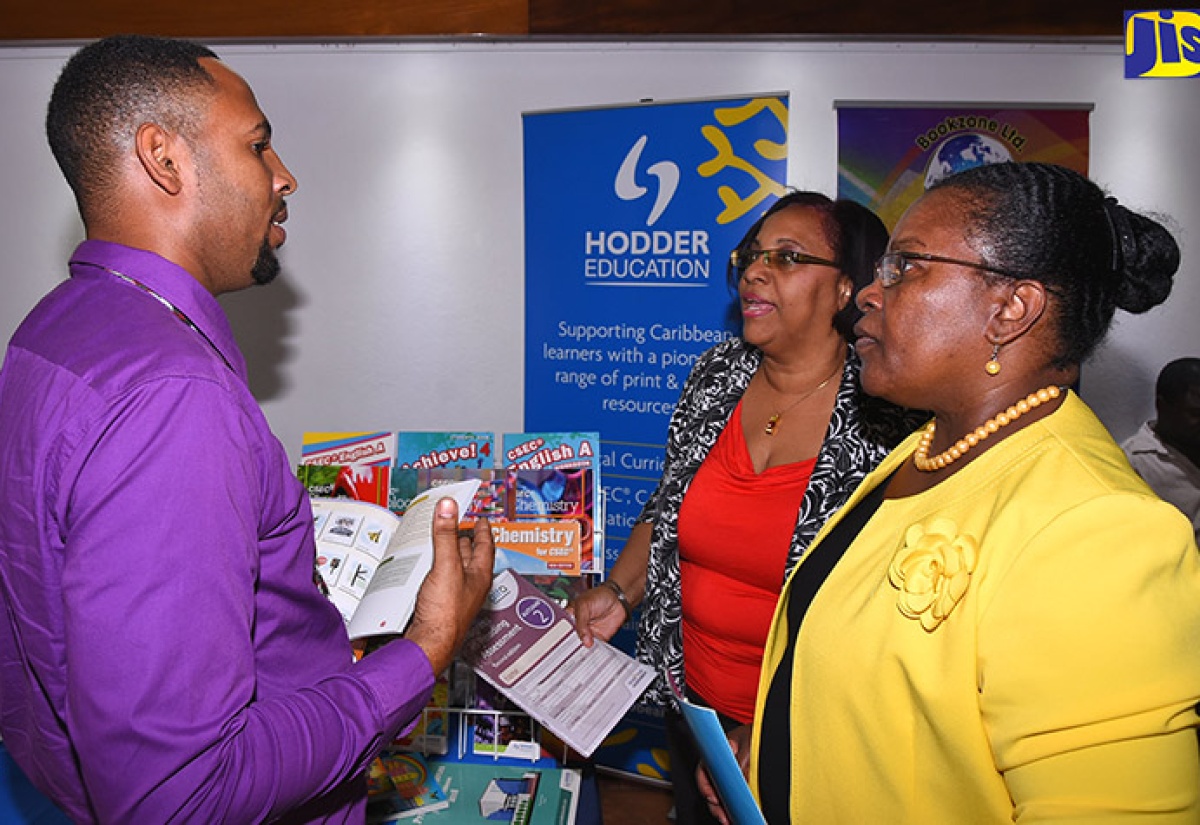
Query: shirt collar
x=170, y=281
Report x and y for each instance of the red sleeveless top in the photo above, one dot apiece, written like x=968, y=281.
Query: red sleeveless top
x=735, y=528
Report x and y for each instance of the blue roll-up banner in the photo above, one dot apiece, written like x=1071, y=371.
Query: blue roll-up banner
x=630, y=215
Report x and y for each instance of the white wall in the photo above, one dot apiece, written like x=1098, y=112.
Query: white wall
x=402, y=301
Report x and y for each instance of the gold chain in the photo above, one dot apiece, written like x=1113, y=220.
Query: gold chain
x=773, y=421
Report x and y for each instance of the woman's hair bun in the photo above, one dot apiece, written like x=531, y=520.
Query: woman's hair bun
x=1145, y=259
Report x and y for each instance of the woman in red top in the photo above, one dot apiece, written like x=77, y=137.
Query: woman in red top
x=770, y=436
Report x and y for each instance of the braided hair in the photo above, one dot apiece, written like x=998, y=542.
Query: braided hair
x=1053, y=225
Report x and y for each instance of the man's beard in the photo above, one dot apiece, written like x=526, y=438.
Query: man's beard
x=266, y=268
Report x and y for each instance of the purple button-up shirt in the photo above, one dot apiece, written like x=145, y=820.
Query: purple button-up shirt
x=164, y=653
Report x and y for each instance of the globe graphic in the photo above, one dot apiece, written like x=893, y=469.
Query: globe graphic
x=963, y=151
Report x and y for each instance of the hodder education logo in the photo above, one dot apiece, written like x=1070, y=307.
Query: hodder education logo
x=1162, y=43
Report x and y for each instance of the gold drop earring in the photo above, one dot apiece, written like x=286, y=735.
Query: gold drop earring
x=992, y=367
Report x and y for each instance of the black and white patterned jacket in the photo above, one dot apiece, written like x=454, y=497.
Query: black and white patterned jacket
x=862, y=430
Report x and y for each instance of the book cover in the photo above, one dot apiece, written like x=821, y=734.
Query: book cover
x=510, y=495
x=563, y=589
x=401, y=786
x=431, y=735
x=493, y=500
x=366, y=482
x=491, y=792
x=560, y=494
x=567, y=452
x=348, y=448
x=539, y=548
x=423, y=450
x=500, y=728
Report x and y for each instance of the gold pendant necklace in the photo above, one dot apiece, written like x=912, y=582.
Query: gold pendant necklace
x=773, y=421
x=927, y=465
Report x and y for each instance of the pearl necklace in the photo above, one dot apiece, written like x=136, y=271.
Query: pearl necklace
x=928, y=465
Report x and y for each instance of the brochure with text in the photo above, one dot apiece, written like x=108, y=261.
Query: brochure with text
x=525, y=645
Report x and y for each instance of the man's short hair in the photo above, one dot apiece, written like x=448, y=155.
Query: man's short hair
x=1176, y=378
x=108, y=89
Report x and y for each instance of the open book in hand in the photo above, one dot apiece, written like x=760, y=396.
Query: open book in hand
x=373, y=562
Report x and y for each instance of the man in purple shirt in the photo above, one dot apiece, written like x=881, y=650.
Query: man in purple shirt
x=165, y=655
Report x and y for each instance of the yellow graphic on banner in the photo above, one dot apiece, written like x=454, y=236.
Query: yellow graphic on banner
x=737, y=206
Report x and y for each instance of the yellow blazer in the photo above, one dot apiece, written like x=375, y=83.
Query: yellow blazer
x=1020, y=642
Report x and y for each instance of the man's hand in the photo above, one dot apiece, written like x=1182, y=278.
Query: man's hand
x=455, y=588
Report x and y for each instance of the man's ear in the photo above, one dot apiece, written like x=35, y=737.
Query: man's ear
x=158, y=150
x=1023, y=306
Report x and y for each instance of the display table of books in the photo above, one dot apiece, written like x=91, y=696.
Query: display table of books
x=511, y=726
x=513, y=722
x=450, y=789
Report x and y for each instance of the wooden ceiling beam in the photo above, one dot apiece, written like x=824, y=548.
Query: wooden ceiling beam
x=281, y=19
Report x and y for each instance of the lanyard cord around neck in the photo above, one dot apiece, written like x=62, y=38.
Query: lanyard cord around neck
x=176, y=311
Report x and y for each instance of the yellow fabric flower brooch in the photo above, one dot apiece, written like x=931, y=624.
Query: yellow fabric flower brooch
x=932, y=571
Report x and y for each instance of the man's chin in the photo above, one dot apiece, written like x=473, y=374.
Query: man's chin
x=266, y=268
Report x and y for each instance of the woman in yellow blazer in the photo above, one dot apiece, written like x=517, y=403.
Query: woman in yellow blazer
x=1003, y=623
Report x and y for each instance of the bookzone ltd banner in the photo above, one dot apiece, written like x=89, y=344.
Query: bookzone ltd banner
x=889, y=154
x=630, y=215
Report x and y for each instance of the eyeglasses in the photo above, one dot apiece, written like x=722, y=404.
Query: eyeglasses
x=891, y=268
x=779, y=260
